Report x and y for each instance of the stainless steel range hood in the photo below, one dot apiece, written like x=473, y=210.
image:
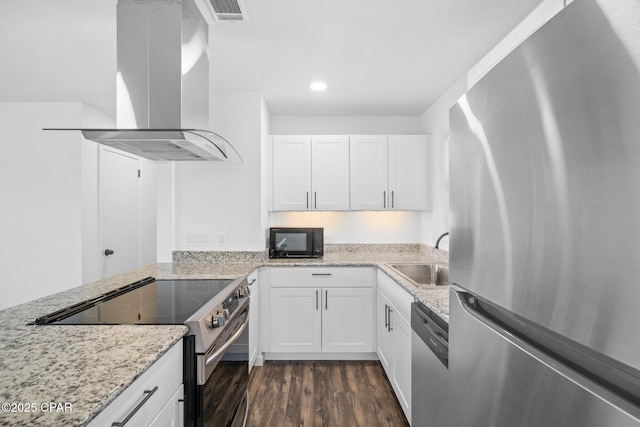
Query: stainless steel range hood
x=163, y=85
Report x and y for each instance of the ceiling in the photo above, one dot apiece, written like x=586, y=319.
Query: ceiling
x=378, y=57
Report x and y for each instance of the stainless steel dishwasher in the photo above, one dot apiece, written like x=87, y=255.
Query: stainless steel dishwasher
x=429, y=364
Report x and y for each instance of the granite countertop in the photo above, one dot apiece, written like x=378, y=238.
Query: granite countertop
x=84, y=367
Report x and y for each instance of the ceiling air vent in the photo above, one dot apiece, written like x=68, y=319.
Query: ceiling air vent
x=228, y=10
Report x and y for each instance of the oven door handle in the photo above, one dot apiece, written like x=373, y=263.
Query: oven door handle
x=219, y=352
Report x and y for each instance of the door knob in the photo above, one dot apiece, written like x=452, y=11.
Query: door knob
x=108, y=252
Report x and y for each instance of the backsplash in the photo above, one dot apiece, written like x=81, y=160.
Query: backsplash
x=216, y=257
x=437, y=255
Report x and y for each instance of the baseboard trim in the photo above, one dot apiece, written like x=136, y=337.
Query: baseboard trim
x=320, y=356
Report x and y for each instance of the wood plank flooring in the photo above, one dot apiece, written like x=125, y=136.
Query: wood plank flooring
x=322, y=393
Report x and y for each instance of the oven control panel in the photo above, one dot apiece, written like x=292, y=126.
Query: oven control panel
x=222, y=312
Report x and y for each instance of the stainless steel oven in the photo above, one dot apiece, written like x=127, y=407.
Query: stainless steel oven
x=216, y=369
x=222, y=375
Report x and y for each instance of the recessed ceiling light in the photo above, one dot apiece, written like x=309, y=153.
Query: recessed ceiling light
x=318, y=85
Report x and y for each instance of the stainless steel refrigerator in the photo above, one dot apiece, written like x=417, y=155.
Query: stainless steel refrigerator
x=545, y=229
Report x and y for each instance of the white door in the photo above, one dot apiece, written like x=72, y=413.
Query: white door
x=407, y=172
x=368, y=172
x=291, y=173
x=119, y=200
x=330, y=173
x=347, y=320
x=296, y=320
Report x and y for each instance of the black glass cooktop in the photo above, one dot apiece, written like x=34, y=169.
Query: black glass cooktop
x=148, y=302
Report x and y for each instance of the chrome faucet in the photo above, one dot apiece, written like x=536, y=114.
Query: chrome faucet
x=440, y=238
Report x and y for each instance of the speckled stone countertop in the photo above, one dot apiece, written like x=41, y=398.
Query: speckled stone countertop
x=87, y=367
x=84, y=367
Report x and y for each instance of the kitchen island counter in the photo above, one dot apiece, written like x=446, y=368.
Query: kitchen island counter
x=64, y=375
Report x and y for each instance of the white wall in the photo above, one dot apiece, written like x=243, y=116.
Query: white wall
x=211, y=198
x=436, y=119
x=356, y=227
x=346, y=125
x=40, y=219
x=265, y=169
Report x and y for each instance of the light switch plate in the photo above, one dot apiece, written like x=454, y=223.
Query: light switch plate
x=222, y=239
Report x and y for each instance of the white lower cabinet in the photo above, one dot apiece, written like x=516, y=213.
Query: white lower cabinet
x=321, y=310
x=172, y=415
x=347, y=320
x=296, y=320
x=330, y=320
x=154, y=399
x=393, y=333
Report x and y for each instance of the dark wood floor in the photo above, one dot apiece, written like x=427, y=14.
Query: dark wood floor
x=322, y=393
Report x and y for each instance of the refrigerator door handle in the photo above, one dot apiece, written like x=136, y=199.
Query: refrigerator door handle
x=613, y=380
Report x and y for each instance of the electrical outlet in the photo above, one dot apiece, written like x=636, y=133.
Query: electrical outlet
x=197, y=239
x=222, y=239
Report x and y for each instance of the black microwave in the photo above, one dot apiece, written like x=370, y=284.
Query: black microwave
x=287, y=242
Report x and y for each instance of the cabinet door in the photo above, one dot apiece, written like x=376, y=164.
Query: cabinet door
x=291, y=173
x=401, y=348
x=347, y=320
x=330, y=173
x=383, y=335
x=407, y=172
x=296, y=320
x=368, y=160
x=172, y=413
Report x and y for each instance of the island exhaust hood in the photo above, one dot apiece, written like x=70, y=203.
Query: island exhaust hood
x=162, y=98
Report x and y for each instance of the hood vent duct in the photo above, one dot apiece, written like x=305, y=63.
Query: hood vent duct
x=162, y=84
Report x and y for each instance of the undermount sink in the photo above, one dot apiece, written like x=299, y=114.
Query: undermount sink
x=424, y=274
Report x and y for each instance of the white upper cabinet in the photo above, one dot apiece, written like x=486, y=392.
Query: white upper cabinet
x=338, y=173
x=407, y=172
x=388, y=173
x=310, y=173
x=291, y=173
x=330, y=173
x=369, y=172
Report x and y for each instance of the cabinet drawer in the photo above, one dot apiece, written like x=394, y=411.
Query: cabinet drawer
x=322, y=277
x=397, y=296
x=165, y=374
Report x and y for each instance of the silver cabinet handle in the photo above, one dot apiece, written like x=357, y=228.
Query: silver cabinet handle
x=389, y=327
x=393, y=204
x=386, y=316
x=316, y=299
x=315, y=200
x=321, y=274
x=252, y=282
x=326, y=299
x=384, y=199
x=307, y=200
x=148, y=394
